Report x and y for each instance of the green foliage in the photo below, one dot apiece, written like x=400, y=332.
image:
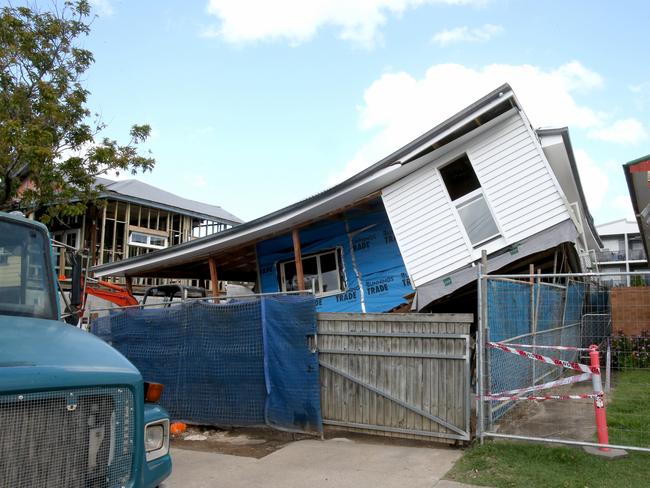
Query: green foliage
x=46, y=131
x=630, y=352
x=628, y=415
x=511, y=464
x=637, y=280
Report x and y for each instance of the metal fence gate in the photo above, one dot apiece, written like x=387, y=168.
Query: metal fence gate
x=401, y=375
x=537, y=379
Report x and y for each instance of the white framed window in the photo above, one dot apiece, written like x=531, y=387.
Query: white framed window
x=469, y=200
x=322, y=272
x=151, y=241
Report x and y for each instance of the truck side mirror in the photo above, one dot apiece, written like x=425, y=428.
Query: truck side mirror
x=75, y=290
x=76, y=261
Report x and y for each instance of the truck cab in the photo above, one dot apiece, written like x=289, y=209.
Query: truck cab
x=73, y=410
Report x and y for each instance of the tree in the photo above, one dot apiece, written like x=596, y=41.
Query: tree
x=49, y=152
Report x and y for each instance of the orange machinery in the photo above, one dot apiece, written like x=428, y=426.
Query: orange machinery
x=111, y=292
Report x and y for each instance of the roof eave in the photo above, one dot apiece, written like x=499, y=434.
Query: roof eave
x=109, y=194
x=566, y=139
x=633, y=196
x=405, y=154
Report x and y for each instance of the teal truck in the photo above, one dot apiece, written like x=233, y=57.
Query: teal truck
x=74, y=412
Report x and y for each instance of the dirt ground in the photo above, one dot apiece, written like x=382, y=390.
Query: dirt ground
x=564, y=419
x=248, y=442
x=259, y=442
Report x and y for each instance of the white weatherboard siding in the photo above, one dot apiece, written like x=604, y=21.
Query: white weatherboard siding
x=426, y=228
x=517, y=182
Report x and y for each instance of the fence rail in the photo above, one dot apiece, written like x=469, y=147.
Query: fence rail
x=398, y=375
x=574, y=312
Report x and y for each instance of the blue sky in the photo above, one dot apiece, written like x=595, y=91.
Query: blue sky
x=257, y=104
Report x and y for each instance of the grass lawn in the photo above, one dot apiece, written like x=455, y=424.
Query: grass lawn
x=512, y=464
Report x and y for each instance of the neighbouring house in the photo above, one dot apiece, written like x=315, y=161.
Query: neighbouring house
x=622, y=250
x=407, y=232
x=134, y=219
x=637, y=176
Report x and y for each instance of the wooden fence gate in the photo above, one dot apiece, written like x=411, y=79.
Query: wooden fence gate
x=400, y=375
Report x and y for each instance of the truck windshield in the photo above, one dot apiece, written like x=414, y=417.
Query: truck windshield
x=26, y=286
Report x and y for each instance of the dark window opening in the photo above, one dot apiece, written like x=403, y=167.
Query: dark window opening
x=460, y=178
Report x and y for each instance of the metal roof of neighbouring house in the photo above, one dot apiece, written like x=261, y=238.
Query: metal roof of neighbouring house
x=136, y=191
x=637, y=176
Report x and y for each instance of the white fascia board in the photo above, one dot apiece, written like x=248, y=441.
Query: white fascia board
x=414, y=154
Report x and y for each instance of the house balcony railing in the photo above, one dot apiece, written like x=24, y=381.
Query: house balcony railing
x=606, y=256
x=636, y=255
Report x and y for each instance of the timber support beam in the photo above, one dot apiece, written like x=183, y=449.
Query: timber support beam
x=300, y=276
x=214, y=278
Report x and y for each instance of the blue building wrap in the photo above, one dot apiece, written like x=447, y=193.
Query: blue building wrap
x=231, y=364
x=372, y=266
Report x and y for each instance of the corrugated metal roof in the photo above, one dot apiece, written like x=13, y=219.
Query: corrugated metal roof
x=136, y=191
x=367, y=181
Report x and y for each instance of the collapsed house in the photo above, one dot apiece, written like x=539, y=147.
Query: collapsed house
x=407, y=232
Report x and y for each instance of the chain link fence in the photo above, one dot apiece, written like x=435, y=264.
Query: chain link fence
x=537, y=377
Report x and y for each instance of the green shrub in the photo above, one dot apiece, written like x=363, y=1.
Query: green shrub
x=631, y=352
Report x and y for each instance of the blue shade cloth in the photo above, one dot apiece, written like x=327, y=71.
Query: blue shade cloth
x=508, y=309
x=549, y=301
x=292, y=371
x=217, y=361
x=511, y=305
x=575, y=301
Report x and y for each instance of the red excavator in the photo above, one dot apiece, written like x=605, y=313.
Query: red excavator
x=106, y=290
x=75, y=304
x=119, y=295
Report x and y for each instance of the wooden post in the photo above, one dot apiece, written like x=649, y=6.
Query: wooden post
x=93, y=236
x=212, y=262
x=129, y=284
x=298, y=257
x=533, y=326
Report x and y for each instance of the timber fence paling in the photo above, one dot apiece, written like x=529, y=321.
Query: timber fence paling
x=399, y=375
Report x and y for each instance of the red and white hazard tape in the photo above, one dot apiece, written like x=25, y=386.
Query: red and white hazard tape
x=544, y=397
x=546, y=359
x=551, y=384
x=557, y=348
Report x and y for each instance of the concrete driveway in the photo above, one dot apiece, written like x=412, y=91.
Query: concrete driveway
x=312, y=464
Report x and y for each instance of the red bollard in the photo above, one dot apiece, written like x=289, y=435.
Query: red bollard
x=599, y=402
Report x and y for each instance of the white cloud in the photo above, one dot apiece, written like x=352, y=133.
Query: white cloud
x=298, y=20
x=102, y=7
x=624, y=205
x=594, y=179
x=624, y=131
x=465, y=34
x=641, y=94
x=399, y=107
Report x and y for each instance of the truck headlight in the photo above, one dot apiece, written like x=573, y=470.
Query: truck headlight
x=156, y=439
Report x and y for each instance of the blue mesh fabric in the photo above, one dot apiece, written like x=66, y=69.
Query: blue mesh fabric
x=216, y=365
x=292, y=379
